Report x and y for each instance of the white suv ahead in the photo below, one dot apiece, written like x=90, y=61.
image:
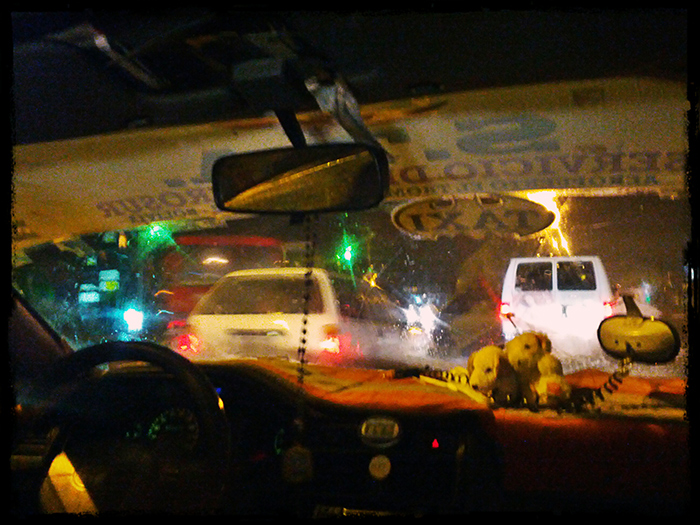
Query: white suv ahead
x=260, y=313
x=556, y=295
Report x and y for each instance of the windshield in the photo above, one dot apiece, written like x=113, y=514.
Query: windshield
x=532, y=208
x=447, y=292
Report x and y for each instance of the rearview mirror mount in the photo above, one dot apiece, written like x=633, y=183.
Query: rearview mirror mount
x=309, y=179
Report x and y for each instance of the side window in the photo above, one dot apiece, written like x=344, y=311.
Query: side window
x=536, y=276
x=576, y=275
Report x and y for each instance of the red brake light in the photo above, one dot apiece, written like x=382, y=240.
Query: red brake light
x=331, y=339
x=505, y=310
x=177, y=323
x=336, y=345
x=188, y=343
x=608, y=308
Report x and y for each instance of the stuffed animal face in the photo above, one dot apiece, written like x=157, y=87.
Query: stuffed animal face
x=525, y=351
x=491, y=374
x=541, y=373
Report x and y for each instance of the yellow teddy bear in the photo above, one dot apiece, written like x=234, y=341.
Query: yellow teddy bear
x=541, y=374
x=552, y=388
x=491, y=374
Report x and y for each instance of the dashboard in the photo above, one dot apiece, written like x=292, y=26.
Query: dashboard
x=134, y=435
x=291, y=453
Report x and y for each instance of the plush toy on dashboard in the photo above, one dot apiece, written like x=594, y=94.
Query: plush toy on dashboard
x=540, y=373
x=491, y=374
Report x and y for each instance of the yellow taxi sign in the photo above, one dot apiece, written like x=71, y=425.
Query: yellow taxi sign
x=475, y=215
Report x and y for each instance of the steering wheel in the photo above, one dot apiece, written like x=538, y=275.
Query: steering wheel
x=193, y=482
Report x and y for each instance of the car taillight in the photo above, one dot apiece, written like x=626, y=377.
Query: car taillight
x=331, y=339
x=188, y=343
x=608, y=308
x=337, y=346
x=177, y=323
x=505, y=310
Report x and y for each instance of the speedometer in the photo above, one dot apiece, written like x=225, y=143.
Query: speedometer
x=175, y=430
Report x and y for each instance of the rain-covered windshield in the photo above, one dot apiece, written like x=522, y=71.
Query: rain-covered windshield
x=512, y=210
x=444, y=296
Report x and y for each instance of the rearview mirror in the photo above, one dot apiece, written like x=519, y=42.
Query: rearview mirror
x=336, y=177
x=643, y=339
